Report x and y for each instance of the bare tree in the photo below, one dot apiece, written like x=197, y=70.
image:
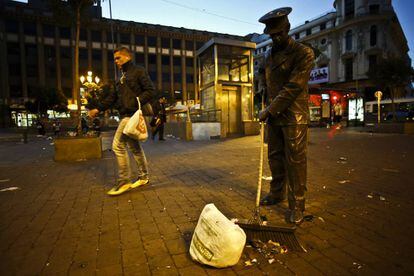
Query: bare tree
x=392, y=75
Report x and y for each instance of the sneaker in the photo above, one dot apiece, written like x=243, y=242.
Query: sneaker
x=139, y=182
x=119, y=189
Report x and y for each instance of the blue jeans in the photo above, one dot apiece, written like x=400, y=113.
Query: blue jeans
x=119, y=146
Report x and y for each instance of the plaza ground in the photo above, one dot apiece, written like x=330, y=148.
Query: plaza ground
x=60, y=221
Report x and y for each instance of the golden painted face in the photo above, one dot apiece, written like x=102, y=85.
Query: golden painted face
x=120, y=58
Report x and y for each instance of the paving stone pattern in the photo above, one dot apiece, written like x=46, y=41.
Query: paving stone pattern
x=61, y=222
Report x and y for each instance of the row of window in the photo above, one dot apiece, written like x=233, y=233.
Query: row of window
x=29, y=28
x=350, y=9
x=322, y=27
x=349, y=64
x=372, y=38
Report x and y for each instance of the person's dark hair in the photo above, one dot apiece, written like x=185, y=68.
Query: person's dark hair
x=124, y=50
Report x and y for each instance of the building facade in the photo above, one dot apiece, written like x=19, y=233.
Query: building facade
x=347, y=42
x=36, y=51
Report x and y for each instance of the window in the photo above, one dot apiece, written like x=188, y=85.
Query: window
x=16, y=90
x=140, y=59
x=189, y=62
x=372, y=61
x=96, y=54
x=50, y=63
x=349, y=9
x=125, y=38
x=83, y=35
x=152, y=59
x=12, y=26
x=373, y=36
x=176, y=43
x=348, y=40
x=66, y=53
x=165, y=43
x=374, y=9
x=153, y=75
x=177, y=77
x=31, y=60
x=83, y=53
x=165, y=60
x=64, y=32
x=48, y=31
x=322, y=26
x=349, y=72
x=96, y=36
x=189, y=45
x=152, y=41
x=323, y=41
x=190, y=78
x=177, y=61
x=139, y=40
x=199, y=44
x=297, y=36
x=308, y=31
x=109, y=37
x=29, y=28
x=166, y=77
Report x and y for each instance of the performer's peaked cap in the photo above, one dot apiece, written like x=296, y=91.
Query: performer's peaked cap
x=275, y=20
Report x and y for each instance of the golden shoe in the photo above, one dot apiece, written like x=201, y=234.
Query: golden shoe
x=139, y=182
x=119, y=190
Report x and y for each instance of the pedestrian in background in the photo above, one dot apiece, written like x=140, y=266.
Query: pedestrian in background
x=56, y=128
x=134, y=82
x=286, y=72
x=158, y=121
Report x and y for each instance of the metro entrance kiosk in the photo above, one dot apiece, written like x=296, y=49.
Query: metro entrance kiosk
x=225, y=78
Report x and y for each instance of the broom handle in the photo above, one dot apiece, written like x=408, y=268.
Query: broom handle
x=259, y=184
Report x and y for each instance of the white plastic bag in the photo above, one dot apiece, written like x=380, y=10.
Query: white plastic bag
x=136, y=127
x=216, y=240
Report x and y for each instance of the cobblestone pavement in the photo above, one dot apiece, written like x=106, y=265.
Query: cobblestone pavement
x=60, y=221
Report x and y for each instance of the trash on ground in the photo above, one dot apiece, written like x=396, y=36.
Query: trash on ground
x=344, y=181
x=342, y=158
x=308, y=218
x=269, y=250
x=324, y=187
x=248, y=263
x=321, y=219
x=267, y=178
x=49, y=138
x=376, y=195
x=9, y=189
x=51, y=144
x=390, y=170
x=4, y=180
x=359, y=266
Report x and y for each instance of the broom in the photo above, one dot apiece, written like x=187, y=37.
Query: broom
x=255, y=229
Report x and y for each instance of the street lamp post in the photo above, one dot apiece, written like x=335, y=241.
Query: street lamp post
x=90, y=83
x=378, y=95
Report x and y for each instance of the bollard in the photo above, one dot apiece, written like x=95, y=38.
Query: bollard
x=25, y=136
